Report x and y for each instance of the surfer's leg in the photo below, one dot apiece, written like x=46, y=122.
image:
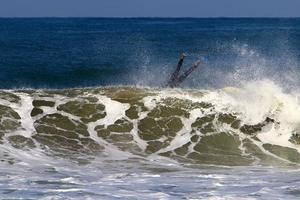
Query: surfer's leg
x=188, y=72
x=177, y=70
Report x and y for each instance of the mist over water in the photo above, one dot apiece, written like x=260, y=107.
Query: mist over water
x=239, y=65
x=84, y=114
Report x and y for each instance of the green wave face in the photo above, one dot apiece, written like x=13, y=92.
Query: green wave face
x=186, y=126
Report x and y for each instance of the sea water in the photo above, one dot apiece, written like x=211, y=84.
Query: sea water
x=84, y=114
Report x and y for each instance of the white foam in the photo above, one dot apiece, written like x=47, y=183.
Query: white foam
x=114, y=111
x=183, y=136
x=24, y=110
x=258, y=100
x=252, y=103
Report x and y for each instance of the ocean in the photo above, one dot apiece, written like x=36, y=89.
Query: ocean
x=85, y=112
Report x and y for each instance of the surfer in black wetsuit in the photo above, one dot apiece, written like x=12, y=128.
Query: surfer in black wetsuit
x=176, y=79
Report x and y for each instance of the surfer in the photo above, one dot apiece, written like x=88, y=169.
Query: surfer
x=176, y=79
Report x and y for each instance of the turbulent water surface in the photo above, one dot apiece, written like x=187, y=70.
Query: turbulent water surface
x=233, y=132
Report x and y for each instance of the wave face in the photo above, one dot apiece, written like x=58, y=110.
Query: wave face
x=253, y=125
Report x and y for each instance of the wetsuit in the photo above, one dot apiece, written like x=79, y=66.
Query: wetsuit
x=177, y=79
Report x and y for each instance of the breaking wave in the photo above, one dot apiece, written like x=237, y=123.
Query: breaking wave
x=257, y=123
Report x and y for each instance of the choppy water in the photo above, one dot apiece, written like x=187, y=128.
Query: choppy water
x=233, y=132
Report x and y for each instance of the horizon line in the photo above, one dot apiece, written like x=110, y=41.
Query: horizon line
x=171, y=17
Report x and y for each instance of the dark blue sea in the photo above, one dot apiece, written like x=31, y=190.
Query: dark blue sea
x=63, y=53
x=85, y=112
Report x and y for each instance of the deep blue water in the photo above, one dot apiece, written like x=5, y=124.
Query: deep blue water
x=63, y=53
